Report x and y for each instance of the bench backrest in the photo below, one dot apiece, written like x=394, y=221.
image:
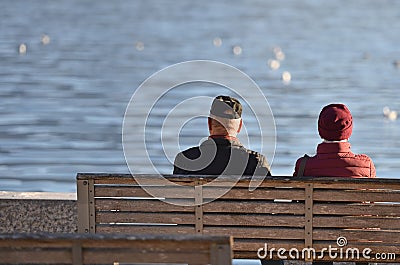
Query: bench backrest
x=282, y=212
x=108, y=249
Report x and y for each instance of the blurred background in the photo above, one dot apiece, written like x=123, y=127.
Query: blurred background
x=69, y=67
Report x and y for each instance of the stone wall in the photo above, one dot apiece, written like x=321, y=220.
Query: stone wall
x=38, y=212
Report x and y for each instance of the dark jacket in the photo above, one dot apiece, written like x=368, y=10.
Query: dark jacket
x=337, y=160
x=221, y=156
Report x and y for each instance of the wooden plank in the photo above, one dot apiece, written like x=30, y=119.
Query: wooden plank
x=129, y=217
x=151, y=245
x=67, y=239
x=101, y=249
x=27, y=243
x=357, y=184
x=255, y=232
x=254, y=244
x=245, y=255
x=102, y=175
x=145, y=179
x=241, y=193
x=208, y=219
x=121, y=256
x=252, y=207
x=133, y=205
x=77, y=257
x=357, y=222
x=356, y=195
x=92, y=211
x=138, y=191
x=35, y=256
x=120, y=191
x=199, y=207
x=244, y=182
x=209, y=178
x=146, y=229
x=222, y=254
x=356, y=209
x=253, y=220
x=308, y=229
x=361, y=235
x=83, y=205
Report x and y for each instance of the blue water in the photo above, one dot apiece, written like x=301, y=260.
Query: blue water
x=62, y=104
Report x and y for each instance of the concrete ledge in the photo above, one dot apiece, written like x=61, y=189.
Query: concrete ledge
x=34, y=212
x=38, y=195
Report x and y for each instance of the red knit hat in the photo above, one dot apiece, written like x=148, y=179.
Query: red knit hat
x=335, y=122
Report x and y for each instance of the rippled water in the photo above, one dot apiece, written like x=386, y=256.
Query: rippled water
x=62, y=104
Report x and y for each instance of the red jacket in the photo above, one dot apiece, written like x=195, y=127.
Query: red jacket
x=337, y=160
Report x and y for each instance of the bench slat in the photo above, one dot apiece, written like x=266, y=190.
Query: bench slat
x=357, y=209
x=139, y=206
x=320, y=182
x=32, y=256
x=253, y=220
x=99, y=257
x=241, y=193
x=356, y=195
x=138, y=191
x=208, y=219
x=358, y=235
x=143, y=229
x=208, y=192
x=127, y=217
x=357, y=222
x=246, y=244
x=254, y=207
x=250, y=232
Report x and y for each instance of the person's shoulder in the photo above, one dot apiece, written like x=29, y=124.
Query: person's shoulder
x=309, y=159
x=298, y=161
x=254, y=154
x=363, y=157
x=190, y=153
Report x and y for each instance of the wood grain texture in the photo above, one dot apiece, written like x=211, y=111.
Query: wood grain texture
x=100, y=249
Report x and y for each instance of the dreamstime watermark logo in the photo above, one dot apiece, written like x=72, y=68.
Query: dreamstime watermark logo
x=341, y=251
x=138, y=130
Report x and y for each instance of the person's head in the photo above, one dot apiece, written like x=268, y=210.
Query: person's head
x=335, y=123
x=225, y=116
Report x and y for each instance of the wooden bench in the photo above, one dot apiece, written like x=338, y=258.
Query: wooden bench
x=108, y=249
x=302, y=214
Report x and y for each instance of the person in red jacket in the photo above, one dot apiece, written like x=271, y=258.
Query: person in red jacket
x=334, y=157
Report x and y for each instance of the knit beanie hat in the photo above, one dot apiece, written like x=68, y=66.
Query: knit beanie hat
x=335, y=122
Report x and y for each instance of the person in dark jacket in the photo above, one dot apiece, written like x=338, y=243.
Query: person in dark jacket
x=334, y=157
x=222, y=153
